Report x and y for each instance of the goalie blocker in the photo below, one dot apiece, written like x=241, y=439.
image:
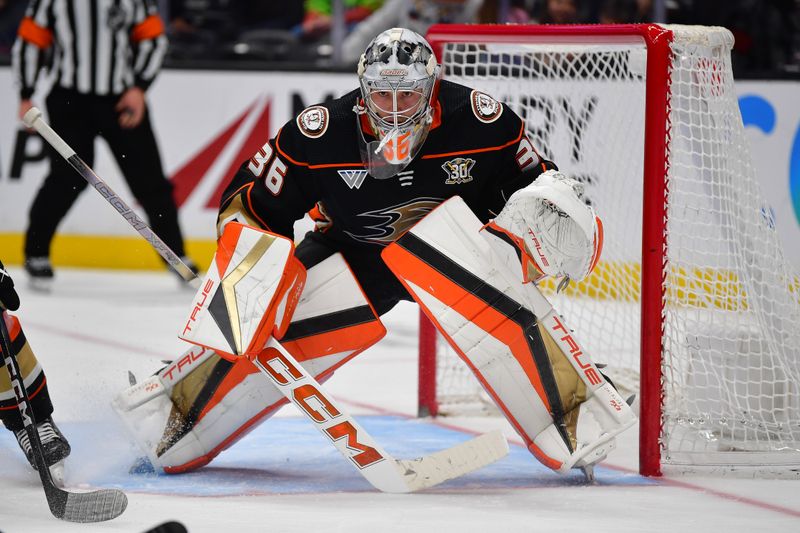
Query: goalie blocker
x=467, y=280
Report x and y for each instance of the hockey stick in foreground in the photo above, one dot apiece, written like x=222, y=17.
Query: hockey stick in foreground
x=94, y=506
x=378, y=467
x=33, y=119
x=383, y=471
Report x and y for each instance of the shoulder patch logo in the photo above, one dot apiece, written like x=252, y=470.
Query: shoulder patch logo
x=458, y=170
x=353, y=178
x=486, y=108
x=313, y=122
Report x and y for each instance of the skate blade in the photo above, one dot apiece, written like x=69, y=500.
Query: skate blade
x=588, y=472
x=41, y=285
x=57, y=473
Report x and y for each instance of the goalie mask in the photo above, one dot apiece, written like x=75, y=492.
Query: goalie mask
x=397, y=74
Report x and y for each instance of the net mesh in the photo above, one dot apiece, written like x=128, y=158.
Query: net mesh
x=731, y=361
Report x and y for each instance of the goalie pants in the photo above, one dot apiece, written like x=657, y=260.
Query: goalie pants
x=381, y=287
x=79, y=119
x=33, y=377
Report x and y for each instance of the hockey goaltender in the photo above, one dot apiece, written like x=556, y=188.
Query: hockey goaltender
x=420, y=189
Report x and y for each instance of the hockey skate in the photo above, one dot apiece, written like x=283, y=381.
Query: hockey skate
x=54, y=444
x=40, y=272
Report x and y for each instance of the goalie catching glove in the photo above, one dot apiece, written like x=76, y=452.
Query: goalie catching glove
x=553, y=227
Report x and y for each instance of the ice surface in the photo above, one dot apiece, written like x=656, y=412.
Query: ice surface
x=284, y=477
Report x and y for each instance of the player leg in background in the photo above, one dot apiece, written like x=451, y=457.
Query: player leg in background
x=136, y=152
x=56, y=447
x=201, y=404
x=67, y=113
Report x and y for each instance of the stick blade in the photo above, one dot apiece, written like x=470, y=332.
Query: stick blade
x=464, y=458
x=97, y=506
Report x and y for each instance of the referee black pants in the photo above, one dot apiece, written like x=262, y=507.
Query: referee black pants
x=79, y=119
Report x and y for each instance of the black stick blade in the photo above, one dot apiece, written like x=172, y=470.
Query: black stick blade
x=168, y=527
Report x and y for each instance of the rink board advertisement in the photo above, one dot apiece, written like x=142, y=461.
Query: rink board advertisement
x=208, y=122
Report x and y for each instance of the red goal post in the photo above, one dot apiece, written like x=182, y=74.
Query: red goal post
x=651, y=126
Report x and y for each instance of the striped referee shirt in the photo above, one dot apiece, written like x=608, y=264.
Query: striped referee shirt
x=100, y=47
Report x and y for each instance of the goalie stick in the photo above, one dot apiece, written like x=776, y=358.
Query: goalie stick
x=33, y=119
x=96, y=506
x=380, y=469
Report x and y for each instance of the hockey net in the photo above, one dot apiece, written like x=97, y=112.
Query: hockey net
x=693, y=306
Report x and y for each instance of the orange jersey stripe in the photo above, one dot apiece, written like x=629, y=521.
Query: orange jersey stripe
x=149, y=28
x=31, y=395
x=248, y=204
x=253, y=211
x=335, y=165
x=35, y=34
x=479, y=150
x=309, y=165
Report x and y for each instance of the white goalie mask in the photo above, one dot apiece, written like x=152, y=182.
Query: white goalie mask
x=397, y=74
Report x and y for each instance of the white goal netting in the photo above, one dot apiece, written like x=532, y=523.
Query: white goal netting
x=730, y=325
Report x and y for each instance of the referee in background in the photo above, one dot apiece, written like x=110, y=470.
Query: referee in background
x=103, y=54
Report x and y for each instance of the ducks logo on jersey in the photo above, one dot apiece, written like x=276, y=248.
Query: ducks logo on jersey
x=313, y=122
x=486, y=108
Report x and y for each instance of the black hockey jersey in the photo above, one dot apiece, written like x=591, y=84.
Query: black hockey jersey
x=477, y=149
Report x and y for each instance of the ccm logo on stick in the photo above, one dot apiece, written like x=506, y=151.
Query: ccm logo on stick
x=576, y=353
x=284, y=373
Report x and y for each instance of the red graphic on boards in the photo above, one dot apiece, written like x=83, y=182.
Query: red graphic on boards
x=187, y=178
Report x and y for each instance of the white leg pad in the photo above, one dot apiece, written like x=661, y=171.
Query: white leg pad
x=468, y=282
x=199, y=404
